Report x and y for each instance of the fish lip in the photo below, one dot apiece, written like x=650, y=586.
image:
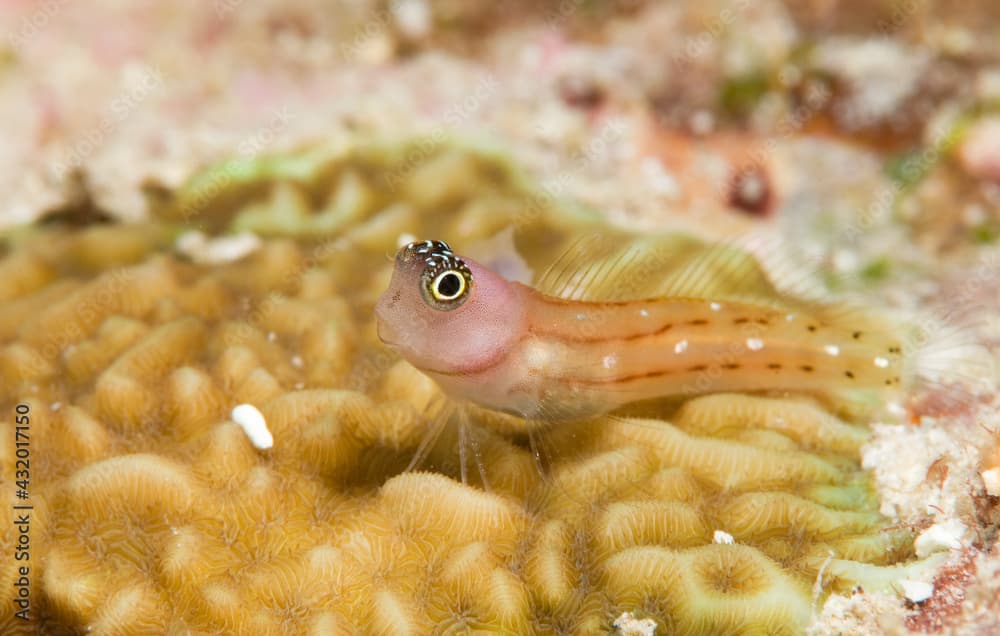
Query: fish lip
x=380, y=332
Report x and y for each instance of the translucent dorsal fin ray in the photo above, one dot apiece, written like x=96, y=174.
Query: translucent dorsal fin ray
x=752, y=269
x=719, y=272
x=562, y=277
x=615, y=268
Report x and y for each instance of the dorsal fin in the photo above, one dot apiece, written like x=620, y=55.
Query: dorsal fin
x=499, y=253
x=608, y=267
x=752, y=269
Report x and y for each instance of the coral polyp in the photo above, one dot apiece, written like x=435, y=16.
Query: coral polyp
x=153, y=511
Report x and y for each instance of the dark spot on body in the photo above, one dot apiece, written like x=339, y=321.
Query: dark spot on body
x=807, y=368
x=849, y=374
x=740, y=321
x=811, y=327
x=856, y=335
x=622, y=379
x=698, y=367
x=699, y=322
x=394, y=300
x=774, y=365
x=731, y=365
x=665, y=328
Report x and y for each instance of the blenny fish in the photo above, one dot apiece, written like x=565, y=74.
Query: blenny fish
x=510, y=347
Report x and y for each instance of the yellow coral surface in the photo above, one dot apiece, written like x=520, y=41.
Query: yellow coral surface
x=153, y=512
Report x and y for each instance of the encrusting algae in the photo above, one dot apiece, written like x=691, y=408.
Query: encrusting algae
x=154, y=513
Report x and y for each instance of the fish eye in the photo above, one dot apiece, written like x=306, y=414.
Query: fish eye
x=448, y=286
x=446, y=279
x=446, y=290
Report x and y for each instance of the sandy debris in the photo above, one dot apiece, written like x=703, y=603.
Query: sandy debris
x=904, y=460
x=862, y=613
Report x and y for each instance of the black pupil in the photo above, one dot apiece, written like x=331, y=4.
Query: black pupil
x=449, y=285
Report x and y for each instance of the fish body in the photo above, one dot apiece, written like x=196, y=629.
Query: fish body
x=509, y=347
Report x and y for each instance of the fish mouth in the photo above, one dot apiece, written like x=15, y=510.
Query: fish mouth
x=384, y=333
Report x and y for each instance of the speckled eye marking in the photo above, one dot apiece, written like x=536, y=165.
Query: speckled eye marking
x=446, y=280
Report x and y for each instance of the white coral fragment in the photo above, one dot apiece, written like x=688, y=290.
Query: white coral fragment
x=947, y=535
x=917, y=591
x=991, y=480
x=720, y=536
x=251, y=420
x=216, y=251
x=628, y=625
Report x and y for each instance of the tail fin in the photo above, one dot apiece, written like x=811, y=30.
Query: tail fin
x=947, y=368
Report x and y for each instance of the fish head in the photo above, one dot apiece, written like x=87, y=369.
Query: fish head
x=447, y=314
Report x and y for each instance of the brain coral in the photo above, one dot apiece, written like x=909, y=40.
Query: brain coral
x=153, y=513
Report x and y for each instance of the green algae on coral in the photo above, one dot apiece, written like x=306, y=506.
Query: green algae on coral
x=155, y=513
